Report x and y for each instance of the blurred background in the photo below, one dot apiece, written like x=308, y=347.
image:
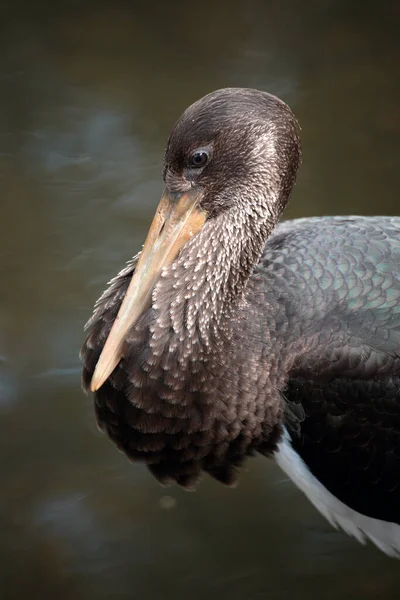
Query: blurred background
x=88, y=94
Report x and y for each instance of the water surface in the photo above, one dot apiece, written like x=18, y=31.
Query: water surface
x=88, y=93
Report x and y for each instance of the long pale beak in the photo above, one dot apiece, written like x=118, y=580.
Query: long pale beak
x=177, y=219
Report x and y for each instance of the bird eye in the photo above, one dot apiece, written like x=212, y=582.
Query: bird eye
x=198, y=159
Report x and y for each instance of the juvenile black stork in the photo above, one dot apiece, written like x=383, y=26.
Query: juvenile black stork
x=230, y=334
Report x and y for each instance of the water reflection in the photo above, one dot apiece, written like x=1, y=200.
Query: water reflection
x=88, y=94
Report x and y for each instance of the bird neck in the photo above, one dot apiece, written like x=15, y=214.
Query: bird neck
x=201, y=290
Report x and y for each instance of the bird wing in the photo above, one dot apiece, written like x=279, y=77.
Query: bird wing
x=336, y=286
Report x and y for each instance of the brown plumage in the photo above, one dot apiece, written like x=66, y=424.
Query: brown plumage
x=182, y=399
x=244, y=321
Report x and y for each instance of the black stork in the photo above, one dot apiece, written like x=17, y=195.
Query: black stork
x=231, y=334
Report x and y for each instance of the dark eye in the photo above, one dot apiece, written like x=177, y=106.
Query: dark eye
x=198, y=159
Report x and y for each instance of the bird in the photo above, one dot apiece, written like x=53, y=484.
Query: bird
x=232, y=334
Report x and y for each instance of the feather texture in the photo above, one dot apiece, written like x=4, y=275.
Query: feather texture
x=254, y=330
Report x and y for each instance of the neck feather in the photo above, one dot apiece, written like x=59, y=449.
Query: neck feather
x=199, y=292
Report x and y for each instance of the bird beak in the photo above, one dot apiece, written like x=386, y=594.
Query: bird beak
x=177, y=219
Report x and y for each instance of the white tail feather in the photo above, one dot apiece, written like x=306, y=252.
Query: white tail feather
x=385, y=535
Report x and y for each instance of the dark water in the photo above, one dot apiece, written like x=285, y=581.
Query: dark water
x=88, y=92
